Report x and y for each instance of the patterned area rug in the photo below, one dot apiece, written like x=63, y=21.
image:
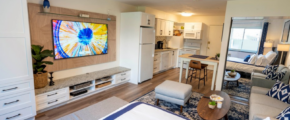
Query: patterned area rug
x=236, y=112
x=243, y=90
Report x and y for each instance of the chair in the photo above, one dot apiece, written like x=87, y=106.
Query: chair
x=194, y=66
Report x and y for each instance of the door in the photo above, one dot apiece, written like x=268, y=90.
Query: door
x=214, y=40
x=169, y=28
x=146, y=62
x=162, y=27
x=147, y=35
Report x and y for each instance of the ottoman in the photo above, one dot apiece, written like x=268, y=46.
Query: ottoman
x=174, y=92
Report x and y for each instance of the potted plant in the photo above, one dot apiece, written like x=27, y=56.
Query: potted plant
x=212, y=104
x=40, y=75
x=232, y=73
x=217, y=56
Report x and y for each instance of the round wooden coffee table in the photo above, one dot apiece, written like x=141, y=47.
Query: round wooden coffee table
x=214, y=114
x=232, y=79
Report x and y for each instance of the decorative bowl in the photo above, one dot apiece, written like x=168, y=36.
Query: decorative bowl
x=211, y=106
x=232, y=74
x=216, y=98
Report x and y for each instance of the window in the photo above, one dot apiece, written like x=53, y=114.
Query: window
x=245, y=39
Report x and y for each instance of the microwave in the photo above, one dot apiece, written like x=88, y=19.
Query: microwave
x=192, y=34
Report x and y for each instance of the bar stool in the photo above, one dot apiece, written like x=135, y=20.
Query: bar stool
x=194, y=67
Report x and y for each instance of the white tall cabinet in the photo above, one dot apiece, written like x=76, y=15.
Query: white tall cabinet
x=17, y=97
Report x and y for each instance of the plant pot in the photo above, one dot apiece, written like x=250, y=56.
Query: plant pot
x=211, y=106
x=40, y=80
x=232, y=74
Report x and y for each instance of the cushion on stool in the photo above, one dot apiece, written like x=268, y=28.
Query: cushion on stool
x=174, y=89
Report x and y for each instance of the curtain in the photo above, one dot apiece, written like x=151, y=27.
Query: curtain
x=263, y=37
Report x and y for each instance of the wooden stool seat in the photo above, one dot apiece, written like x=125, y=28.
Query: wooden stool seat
x=194, y=66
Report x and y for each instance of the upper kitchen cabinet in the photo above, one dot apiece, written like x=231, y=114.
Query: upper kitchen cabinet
x=160, y=27
x=147, y=20
x=193, y=26
x=192, y=30
x=169, y=28
x=164, y=27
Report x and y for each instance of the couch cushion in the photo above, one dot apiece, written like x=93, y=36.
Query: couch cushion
x=270, y=69
x=259, y=90
x=174, y=89
x=280, y=91
x=284, y=115
x=267, y=101
x=260, y=109
x=270, y=56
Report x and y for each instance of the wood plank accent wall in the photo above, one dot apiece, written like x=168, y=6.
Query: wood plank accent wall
x=41, y=34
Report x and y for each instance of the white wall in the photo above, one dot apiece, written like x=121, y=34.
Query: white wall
x=159, y=14
x=207, y=22
x=98, y=6
x=247, y=8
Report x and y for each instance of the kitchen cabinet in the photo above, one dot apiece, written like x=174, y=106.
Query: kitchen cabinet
x=147, y=20
x=160, y=27
x=169, y=28
x=164, y=61
x=193, y=26
x=164, y=27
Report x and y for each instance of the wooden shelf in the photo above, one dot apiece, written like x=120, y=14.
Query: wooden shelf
x=73, y=16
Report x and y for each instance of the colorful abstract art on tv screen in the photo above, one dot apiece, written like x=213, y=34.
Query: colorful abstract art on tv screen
x=78, y=39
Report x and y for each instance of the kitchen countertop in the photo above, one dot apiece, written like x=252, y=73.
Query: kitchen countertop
x=164, y=50
x=70, y=81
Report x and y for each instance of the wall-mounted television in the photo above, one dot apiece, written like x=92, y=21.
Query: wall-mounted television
x=77, y=39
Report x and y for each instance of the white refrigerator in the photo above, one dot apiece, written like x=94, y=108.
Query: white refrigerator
x=146, y=53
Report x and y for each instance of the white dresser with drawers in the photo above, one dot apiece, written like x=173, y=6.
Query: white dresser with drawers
x=17, y=98
x=60, y=94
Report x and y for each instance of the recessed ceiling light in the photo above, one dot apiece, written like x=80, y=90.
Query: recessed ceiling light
x=186, y=14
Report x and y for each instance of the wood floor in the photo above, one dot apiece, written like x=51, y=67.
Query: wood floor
x=128, y=92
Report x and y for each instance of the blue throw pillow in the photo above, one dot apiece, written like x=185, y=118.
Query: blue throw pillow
x=280, y=91
x=284, y=115
x=270, y=69
x=276, y=76
x=247, y=58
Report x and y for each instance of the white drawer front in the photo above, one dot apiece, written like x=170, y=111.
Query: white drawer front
x=16, y=101
x=123, y=77
x=156, y=55
x=156, y=68
x=18, y=115
x=14, y=88
x=51, y=102
x=51, y=95
x=156, y=59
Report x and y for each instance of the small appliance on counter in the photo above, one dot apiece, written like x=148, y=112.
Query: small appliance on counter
x=160, y=45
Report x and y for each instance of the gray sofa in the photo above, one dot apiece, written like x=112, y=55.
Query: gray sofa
x=258, y=78
x=262, y=106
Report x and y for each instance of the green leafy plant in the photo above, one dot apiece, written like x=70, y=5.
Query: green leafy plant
x=38, y=55
x=212, y=103
x=233, y=70
x=218, y=54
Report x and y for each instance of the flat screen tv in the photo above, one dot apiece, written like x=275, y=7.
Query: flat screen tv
x=77, y=39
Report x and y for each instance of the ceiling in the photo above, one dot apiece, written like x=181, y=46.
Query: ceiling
x=199, y=7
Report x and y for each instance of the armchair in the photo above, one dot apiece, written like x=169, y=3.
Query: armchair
x=259, y=79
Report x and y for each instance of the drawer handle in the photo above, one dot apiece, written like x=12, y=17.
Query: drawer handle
x=52, y=102
x=13, y=116
x=51, y=94
x=123, y=74
x=10, y=89
x=123, y=79
x=11, y=102
x=155, y=60
x=155, y=68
